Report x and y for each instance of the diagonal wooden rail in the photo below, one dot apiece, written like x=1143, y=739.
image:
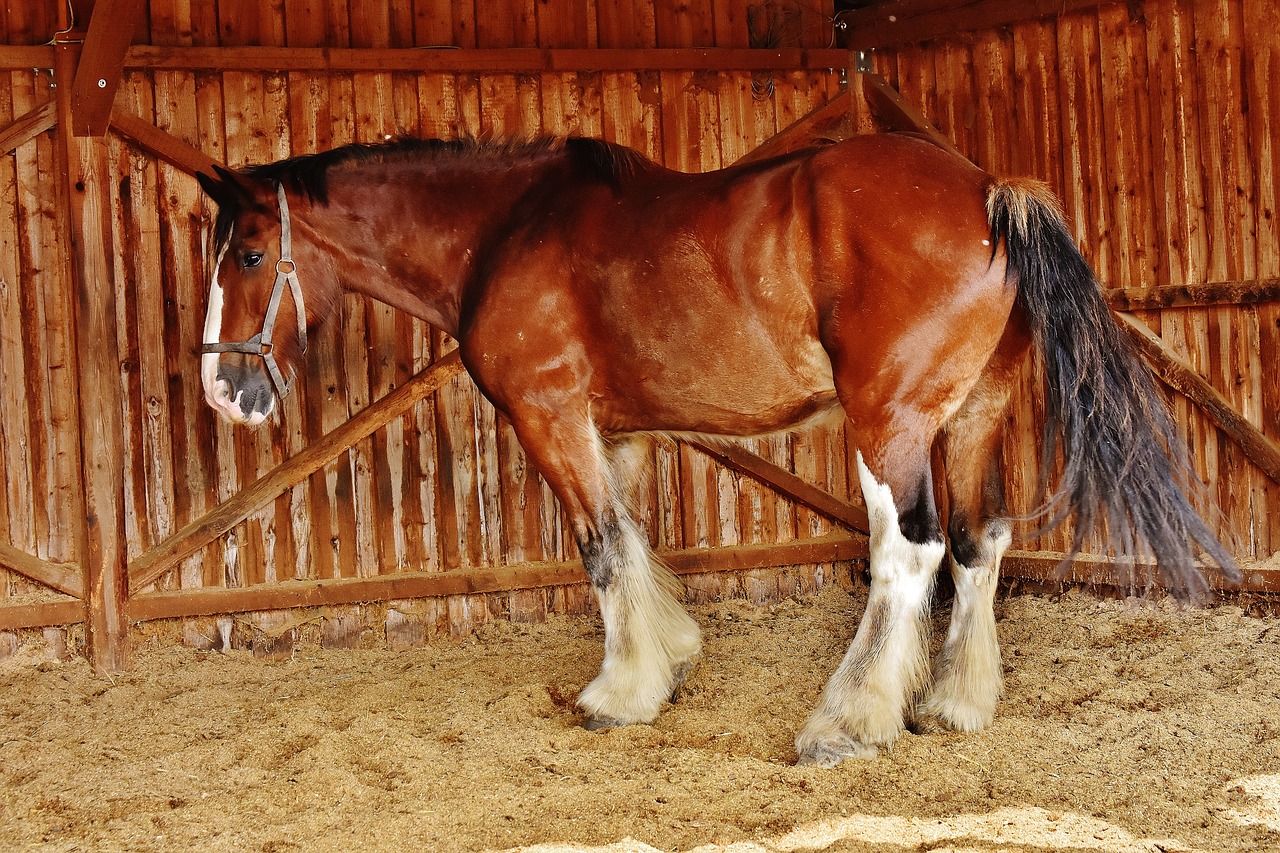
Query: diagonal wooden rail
x=144, y=570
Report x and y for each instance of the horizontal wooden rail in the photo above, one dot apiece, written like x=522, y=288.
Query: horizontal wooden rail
x=494, y=60
x=908, y=21
x=314, y=593
x=1096, y=570
x=1182, y=377
x=41, y=614
x=63, y=577
x=1193, y=295
x=147, y=568
x=447, y=59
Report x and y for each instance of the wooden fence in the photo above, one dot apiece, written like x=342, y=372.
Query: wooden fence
x=1155, y=123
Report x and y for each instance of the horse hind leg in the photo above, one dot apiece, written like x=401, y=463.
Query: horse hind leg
x=650, y=642
x=967, y=675
x=865, y=704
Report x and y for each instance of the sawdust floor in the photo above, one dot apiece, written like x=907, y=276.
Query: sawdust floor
x=1124, y=727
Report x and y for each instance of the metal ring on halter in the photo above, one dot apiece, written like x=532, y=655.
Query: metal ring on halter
x=286, y=273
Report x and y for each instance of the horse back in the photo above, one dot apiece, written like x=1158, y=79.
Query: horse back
x=706, y=303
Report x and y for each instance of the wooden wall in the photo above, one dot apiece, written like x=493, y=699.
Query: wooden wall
x=1158, y=124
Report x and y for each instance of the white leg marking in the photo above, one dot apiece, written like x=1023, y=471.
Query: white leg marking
x=649, y=640
x=967, y=675
x=864, y=705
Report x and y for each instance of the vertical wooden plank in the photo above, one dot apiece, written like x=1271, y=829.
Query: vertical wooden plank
x=626, y=23
x=1127, y=126
x=1232, y=249
x=18, y=286
x=566, y=23
x=183, y=279
x=46, y=297
x=310, y=126
x=210, y=128
x=101, y=534
x=1178, y=183
x=506, y=24
x=684, y=25
x=1262, y=63
x=140, y=301
x=957, y=114
x=1083, y=137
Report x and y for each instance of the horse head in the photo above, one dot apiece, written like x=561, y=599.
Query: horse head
x=256, y=325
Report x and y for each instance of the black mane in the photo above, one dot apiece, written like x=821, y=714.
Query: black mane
x=309, y=173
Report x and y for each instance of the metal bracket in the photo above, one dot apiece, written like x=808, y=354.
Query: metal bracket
x=862, y=61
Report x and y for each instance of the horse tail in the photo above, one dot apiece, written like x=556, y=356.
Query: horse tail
x=1126, y=474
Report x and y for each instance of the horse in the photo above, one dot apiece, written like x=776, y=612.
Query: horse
x=598, y=298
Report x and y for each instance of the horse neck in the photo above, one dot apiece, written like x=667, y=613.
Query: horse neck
x=410, y=236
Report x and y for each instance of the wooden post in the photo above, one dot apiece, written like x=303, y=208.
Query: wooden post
x=101, y=537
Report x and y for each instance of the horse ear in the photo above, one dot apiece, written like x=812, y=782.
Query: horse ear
x=226, y=188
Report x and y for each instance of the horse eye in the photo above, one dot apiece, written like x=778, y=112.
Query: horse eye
x=252, y=259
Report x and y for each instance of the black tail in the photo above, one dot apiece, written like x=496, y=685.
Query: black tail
x=1125, y=473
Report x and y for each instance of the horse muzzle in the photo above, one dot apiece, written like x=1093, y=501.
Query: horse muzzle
x=239, y=393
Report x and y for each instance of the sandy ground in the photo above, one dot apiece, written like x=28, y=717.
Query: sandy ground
x=1124, y=727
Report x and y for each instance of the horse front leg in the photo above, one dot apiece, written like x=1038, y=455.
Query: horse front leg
x=865, y=704
x=650, y=642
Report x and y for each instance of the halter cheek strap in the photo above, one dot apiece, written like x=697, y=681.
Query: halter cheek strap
x=286, y=273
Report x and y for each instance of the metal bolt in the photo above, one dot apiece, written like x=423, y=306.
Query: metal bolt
x=102, y=82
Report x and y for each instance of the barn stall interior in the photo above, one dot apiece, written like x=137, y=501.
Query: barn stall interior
x=388, y=505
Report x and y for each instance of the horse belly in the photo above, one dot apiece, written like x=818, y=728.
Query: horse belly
x=751, y=388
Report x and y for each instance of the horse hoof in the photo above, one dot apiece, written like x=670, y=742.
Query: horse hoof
x=601, y=724
x=927, y=724
x=831, y=751
x=679, y=678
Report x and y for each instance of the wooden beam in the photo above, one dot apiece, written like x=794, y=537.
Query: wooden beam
x=1197, y=295
x=786, y=484
x=497, y=60
x=102, y=549
x=316, y=593
x=902, y=22
x=162, y=144
x=199, y=533
x=892, y=112
x=25, y=57
x=829, y=122
x=98, y=73
x=1096, y=570
x=1182, y=377
x=64, y=577
x=28, y=126
x=41, y=614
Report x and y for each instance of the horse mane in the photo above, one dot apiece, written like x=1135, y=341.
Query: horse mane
x=309, y=173
x=606, y=162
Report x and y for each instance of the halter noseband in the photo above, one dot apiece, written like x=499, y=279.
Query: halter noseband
x=286, y=273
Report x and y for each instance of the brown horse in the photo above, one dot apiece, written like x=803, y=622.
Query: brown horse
x=597, y=296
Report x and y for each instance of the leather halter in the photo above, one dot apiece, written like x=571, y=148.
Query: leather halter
x=286, y=273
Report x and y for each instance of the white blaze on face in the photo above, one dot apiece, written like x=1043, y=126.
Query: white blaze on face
x=217, y=392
